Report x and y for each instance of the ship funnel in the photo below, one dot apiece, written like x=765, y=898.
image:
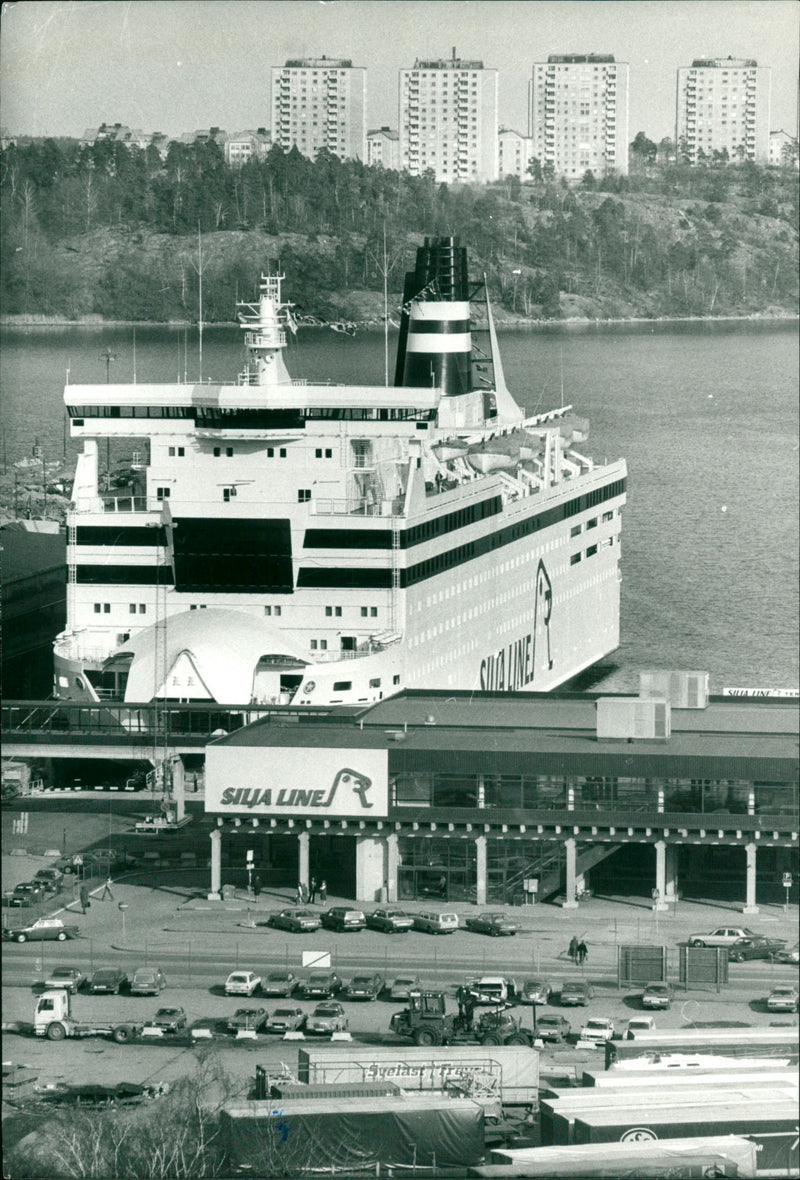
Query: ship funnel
x=435, y=345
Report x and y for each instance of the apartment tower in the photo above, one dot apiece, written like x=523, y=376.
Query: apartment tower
x=320, y=103
x=448, y=120
x=578, y=112
x=723, y=106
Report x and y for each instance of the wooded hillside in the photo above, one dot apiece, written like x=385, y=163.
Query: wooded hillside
x=113, y=231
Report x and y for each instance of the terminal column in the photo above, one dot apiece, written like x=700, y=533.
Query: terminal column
x=390, y=873
x=480, y=867
x=671, y=874
x=660, y=891
x=571, y=901
x=303, y=845
x=216, y=865
x=750, y=904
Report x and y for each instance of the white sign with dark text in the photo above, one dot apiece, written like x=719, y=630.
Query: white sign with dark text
x=322, y=783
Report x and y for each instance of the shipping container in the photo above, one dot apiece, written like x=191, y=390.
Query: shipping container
x=772, y=1126
x=736, y=1073
x=280, y=1138
x=678, y=1159
x=632, y=717
x=763, y=1043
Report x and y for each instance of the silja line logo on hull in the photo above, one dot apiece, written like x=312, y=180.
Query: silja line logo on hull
x=299, y=796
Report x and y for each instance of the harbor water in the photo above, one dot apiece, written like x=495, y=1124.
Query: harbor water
x=706, y=415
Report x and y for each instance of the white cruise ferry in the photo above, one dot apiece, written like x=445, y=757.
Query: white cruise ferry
x=283, y=541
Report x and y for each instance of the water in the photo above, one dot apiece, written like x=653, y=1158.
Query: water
x=705, y=414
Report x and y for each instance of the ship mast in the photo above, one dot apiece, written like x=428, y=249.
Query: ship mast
x=264, y=325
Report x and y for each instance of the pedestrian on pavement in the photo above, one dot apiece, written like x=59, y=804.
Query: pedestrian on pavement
x=107, y=891
x=303, y=893
x=323, y=893
x=312, y=892
x=299, y=893
x=573, y=948
x=581, y=952
x=83, y=893
x=256, y=886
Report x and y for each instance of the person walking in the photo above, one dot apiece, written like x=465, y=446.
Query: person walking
x=83, y=893
x=298, y=895
x=107, y=890
x=256, y=886
x=581, y=952
x=573, y=948
x=323, y=893
x=312, y=891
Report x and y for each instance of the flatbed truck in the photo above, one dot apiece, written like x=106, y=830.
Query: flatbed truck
x=53, y=1018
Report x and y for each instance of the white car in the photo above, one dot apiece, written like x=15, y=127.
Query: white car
x=639, y=1024
x=597, y=1028
x=493, y=989
x=721, y=936
x=242, y=983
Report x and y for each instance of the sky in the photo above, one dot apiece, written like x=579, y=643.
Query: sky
x=180, y=65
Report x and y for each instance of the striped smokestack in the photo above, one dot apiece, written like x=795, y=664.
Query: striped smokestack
x=435, y=345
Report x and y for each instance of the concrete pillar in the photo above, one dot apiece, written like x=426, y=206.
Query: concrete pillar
x=660, y=891
x=303, y=845
x=216, y=865
x=370, y=867
x=750, y=904
x=179, y=789
x=671, y=874
x=391, y=862
x=481, y=791
x=571, y=900
x=480, y=870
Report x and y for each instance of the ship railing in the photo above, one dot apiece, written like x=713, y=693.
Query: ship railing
x=358, y=507
x=74, y=647
x=333, y=657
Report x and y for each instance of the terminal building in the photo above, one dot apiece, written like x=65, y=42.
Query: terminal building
x=508, y=798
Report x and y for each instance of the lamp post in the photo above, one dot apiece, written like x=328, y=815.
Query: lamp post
x=123, y=905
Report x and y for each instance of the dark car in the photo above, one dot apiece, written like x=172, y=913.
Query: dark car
x=494, y=924
x=52, y=879
x=68, y=978
x=576, y=993
x=296, y=921
x=342, y=917
x=390, y=921
x=148, y=981
x=108, y=980
x=28, y=892
x=755, y=948
x=535, y=991
x=364, y=986
x=279, y=983
x=41, y=929
x=553, y=1028
x=170, y=1019
x=320, y=985
x=247, y=1019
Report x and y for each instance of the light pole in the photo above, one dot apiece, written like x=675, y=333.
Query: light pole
x=123, y=905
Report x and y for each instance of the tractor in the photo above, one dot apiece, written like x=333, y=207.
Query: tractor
x=426, y=1022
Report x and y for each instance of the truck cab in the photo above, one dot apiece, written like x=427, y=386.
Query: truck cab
x=52, y=1006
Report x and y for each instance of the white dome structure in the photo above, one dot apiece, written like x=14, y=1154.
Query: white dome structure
x=217, y=655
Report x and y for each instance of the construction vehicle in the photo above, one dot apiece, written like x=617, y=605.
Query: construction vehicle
x=426, y=1022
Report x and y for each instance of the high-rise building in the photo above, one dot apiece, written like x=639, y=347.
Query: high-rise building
x=448, y=120
x=578, y=109
x=320, y=103
x=383, y=148
x=513, y=153
x=723, y=106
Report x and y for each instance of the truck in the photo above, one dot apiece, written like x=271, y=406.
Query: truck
x=724, y=1155
x=53, y=1018
x=504, y=1075
x=426, y=1022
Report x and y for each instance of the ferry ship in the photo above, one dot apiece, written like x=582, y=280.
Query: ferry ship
x=282, y=541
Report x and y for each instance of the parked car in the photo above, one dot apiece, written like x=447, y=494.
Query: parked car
x=403, y=985
x=170, y=1019
x=242, y=983
x=320, y=985
x=598, y=1028
x=286, y=1020
x=67, y=977
x=279, y=983
x=576, y=992
x=721, y=936
x=432, y=922
x=783, y=998
x=364, y=986
x=788, y=954
x=639, y=1024
x=295, y=921
x=754, y=948
x=493, y=989
x=328, y=1017
x=494, y=924
x=535, y=991
x=657, y=995
x=390, y=921
x=148, y=981
x=51, y=877
x=41, y=929
x=553, y=1028
x=28, y=892
x=108, y=980
x=343, y=918
x=247, y=1019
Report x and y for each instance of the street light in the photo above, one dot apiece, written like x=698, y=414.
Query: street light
x=123, y=905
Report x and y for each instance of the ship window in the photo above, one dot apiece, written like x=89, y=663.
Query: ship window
x=97, y=608
x=592, y=524
x=313, y=645
x=132, y=608
x=282, y=452
x=228, y=494
x=590, y=552
x=217, y=452
x=323, y=643
x=342, y=685
x=162, y=493
x=142, y=608
x=270, y=452
x=574, y=559
x=229, y=452
x=395, y=680
x=106, y=608
x=303, y=495
x=376, y=683
x=608, y=516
